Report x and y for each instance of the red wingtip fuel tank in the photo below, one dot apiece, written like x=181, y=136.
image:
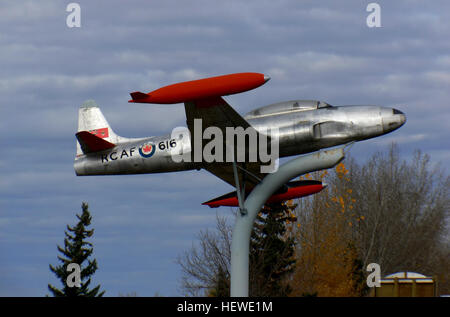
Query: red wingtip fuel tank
x=296, y=190
x=202, y=88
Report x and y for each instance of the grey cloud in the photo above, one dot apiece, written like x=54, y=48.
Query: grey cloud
x=320, y=50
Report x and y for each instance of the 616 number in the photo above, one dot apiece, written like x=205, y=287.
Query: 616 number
x=165, y=145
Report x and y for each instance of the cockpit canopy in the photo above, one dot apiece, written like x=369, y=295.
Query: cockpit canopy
x=287, y=106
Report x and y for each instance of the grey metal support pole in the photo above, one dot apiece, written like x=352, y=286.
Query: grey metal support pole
x=244, y=222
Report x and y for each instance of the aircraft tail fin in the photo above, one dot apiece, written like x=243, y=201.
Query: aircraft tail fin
x=91, y=121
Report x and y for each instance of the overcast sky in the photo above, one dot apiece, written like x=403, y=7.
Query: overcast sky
x=311, y=49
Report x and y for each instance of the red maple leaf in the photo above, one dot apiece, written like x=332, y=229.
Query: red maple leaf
x=147, y=148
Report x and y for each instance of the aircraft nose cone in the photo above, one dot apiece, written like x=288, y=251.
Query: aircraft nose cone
x=266, y=78
x=400, y=115
x=394, y=120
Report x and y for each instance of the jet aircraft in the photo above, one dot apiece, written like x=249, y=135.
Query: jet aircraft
x=301, y=126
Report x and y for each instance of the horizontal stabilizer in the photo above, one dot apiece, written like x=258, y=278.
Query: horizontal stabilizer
x=91, y=143
x=138, y=96
x=296, y=189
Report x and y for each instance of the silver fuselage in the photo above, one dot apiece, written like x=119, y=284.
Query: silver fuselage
x=300, y=130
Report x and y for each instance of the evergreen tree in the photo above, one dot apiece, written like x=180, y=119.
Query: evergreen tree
x=222, y=287
x=271, y=259
x=77, y=250
x=271, y=252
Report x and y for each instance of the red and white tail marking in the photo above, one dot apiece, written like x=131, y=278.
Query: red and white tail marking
x=101, y=133
x=91, y=120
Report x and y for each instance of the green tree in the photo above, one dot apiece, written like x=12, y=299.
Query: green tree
x=222, y=287
x=272, y=257
x=206, y=267
x=77, y=250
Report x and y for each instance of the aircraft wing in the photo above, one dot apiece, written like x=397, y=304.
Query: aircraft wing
x=202, y=100
x=249, y=174
x=216, y=112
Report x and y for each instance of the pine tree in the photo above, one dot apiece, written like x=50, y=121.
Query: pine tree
x=77, y=250
x=271, y=259
x=222, y=285
x=271, y=252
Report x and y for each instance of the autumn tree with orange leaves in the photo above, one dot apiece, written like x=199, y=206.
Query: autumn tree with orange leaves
x=327, y=258
x=387, y=211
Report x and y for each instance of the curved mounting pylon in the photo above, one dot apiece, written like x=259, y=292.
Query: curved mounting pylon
x=252, y=204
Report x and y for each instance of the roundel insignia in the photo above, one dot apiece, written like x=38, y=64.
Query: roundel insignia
x=147, y=150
